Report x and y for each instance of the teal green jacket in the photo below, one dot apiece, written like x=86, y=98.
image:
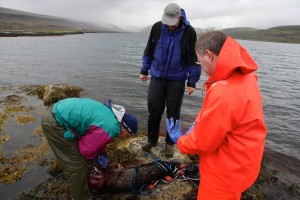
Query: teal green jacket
x=82, y=115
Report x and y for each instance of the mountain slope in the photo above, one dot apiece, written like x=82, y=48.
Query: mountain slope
x=19, y=22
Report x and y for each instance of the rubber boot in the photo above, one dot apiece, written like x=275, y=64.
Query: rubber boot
x=148, y=145
x=169, y=151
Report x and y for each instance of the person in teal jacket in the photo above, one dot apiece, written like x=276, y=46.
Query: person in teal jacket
x=73, y=118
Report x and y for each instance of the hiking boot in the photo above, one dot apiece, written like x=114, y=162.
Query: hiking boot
x=169, y=151
x=148, y=145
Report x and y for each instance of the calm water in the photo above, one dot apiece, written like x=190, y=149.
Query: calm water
x=108, y=66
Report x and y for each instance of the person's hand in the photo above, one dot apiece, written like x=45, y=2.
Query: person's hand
x=143, y=77
x=174, y=129
x=190, y=90
x=102, y=160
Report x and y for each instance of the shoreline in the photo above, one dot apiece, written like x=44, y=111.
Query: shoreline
x=50, y=33
x=62, y=33
x=268, y=185
x=8, y=34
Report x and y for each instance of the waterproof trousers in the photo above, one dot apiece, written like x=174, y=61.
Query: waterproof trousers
x=163, y=93
x=208, y=192
x=74, y=166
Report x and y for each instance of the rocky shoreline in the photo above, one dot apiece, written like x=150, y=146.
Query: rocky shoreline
x=17, y=160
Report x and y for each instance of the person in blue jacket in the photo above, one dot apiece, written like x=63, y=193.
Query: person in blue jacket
x=73, y=118
x=171, y=58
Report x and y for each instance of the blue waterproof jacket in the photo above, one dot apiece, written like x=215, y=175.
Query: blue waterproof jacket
x=171, y=54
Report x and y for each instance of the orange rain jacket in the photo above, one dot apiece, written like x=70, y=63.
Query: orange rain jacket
x=230, y=131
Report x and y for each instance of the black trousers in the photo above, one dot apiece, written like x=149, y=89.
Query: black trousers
x=163, y=93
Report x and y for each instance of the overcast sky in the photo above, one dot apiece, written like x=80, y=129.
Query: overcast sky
x=217, y=14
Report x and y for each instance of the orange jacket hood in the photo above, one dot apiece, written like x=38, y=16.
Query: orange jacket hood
x=233, y=57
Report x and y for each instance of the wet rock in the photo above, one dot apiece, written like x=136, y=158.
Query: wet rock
x=52, y=93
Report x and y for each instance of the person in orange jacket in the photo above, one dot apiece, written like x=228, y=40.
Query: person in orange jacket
x=229, y=131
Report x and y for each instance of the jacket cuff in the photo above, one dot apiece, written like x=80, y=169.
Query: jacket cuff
x=144, y=72
x=189, y=84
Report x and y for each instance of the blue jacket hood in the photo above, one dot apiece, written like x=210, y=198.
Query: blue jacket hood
x=186, y=22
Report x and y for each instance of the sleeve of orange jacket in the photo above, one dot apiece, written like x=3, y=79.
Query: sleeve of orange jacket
x=212, y=124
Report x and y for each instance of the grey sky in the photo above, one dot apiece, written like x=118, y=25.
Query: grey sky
x=139, y=13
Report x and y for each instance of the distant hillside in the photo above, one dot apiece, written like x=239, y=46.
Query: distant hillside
x=19, y=23
x=146, y=29
x=15, y=23
x=284, y=34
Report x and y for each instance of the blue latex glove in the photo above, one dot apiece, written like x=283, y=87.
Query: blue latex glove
x=102, y=160
x=174, y=129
